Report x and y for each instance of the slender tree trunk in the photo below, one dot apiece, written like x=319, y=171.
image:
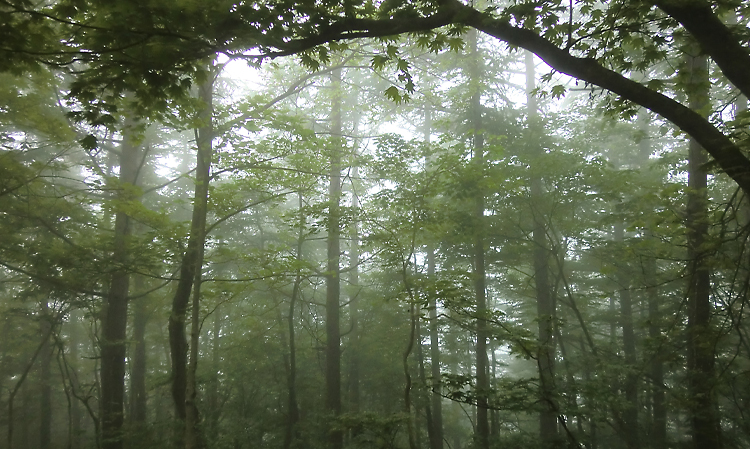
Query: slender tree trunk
x=423, y=380
x=138, y=396
x=182, y=390
x=700, y=362
x=115, y=310
x=480, y=288
x=544, y=300
x=658, y=430
x=494, y=415
x=333, y=271
x=292, y=431
x=630, y=428
x=45, y=378
x=436, y=400
x=76, y=414
x=658, y=436
x=413, y=318
x=16, y=389
x=213, y=391
x=193, y=435
x=354, y=359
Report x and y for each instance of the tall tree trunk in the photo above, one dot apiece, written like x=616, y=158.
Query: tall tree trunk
x=658, y=430
x=423, y=380
x=629, y=427
x=76, y=414
x=190, y=270
x=45, y=378
x=115, y=310
x=544, y=301
x=436, y=401
x=193, y=436
x=292, y=431
x=480, y=288
x=413, y=319
x=138, y=396
x=700, y=345
x=213, y=390
x=333, y=271
x=354, y=359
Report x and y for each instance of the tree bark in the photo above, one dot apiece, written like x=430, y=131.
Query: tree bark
x=333, y=271
x=700, y=345
x=115, y=310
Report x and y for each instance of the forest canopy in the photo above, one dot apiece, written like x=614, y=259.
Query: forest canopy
x=393, y=224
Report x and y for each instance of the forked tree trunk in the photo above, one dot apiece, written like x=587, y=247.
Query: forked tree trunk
x=183, y=381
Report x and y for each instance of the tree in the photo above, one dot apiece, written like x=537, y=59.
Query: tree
x=184, y=389
x=115, y=310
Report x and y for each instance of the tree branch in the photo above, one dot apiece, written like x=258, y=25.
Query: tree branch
x=715, y=38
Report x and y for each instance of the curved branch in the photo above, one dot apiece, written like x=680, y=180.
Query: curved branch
x=714, y=37
x=726, y=153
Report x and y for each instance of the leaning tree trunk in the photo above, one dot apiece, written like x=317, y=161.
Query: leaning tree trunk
x=115, y=310
x=700, y=345
x=183, y=388
x=544, y=301
x=333, y=271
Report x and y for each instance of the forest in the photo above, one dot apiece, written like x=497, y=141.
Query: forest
x=374, y=224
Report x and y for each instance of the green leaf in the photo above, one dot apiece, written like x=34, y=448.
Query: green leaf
x=558, y=91
x=90, y=142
